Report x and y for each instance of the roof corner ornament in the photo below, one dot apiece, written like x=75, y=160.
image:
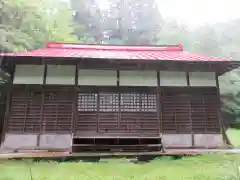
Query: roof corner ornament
x=180, y=46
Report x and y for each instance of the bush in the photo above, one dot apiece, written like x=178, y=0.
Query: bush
x=235, y=125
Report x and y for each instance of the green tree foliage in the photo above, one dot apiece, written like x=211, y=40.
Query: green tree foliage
x=88, y=19
x=173, y=33
x=123, y=22
x=135, y=22
x=29, y=24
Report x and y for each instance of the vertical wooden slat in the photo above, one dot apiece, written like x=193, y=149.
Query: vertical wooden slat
x=139, y=121
x=119, y=97
x=74, y=111
x=98, y=111
x=26, y=112
x=205, y=116
x=56, y=115
x=43, y=116
x=41, y=111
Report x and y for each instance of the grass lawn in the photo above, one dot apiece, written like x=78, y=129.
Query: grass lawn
x=207, y=167
x=234, y=136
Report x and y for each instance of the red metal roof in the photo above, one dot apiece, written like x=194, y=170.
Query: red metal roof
x=173, y=52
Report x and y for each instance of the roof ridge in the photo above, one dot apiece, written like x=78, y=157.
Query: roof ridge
x=107, y=47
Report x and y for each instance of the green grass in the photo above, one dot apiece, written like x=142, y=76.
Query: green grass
x=207, y=167
x=234, y=136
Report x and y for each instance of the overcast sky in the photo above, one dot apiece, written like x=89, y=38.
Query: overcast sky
x=197, y=12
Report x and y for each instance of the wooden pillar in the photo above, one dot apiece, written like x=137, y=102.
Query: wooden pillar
x=43, y=94
x=7, y=114
x=45, y=74
x=42, y=125
x=159, y=111
x=75, y=100
x=8, y=90
x=190, y=109
x=220, y=120
x=76, y=73
x=159, y=105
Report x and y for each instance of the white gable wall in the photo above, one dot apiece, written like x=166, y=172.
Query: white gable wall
x=28, y=74
x=97, y=77
x=65, y=75
x=202, y=79
x=173, y=78
x=60, y=74
x=138, y=78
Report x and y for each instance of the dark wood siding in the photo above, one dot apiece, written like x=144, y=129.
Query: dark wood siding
x=34, y=111
x=106, y=110
x=57, y=111
x=25, y=112
x=187, y=110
